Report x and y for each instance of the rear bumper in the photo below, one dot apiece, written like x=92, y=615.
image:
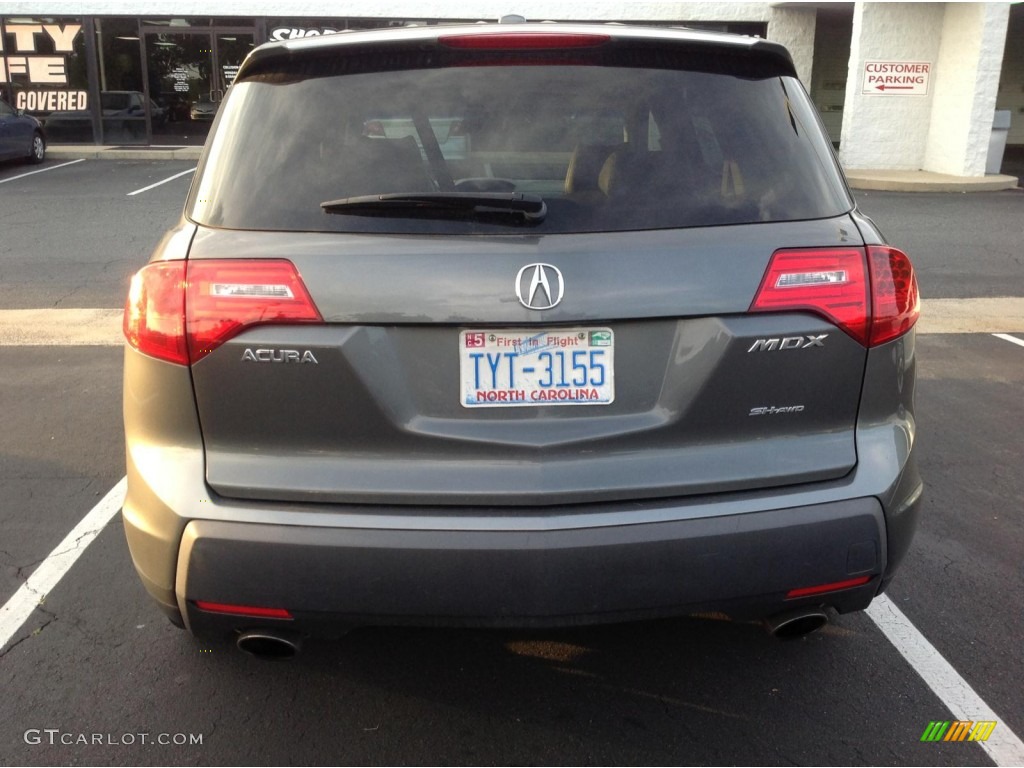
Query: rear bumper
x=339, y=577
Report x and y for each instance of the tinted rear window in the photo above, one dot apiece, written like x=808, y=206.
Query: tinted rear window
x=608, y=148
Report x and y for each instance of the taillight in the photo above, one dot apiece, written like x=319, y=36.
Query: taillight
x=181, y=311
x=512, y=41
x=895, y=298
x=154, y=315
x=226, y=297
x=870, y=294
x=830, y=282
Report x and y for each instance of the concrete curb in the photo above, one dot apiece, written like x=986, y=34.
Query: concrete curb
x=925, y=181
x=93, y=152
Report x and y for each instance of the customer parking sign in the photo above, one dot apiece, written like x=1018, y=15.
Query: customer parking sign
x=897, y=78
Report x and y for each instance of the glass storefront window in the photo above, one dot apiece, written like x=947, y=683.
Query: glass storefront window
x=157, y=80
x=122, y=96
x=188, y=71
x=43, y=71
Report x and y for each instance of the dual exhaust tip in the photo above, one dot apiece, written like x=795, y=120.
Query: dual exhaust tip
x=274, y=645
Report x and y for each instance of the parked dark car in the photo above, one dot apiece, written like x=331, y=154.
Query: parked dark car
x=632, y=351
x=21, y=136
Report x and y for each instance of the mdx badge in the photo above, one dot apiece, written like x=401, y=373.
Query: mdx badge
x=788, y=342
x=539, y=286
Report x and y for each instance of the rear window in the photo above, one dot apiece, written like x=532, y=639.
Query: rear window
x=606, y=148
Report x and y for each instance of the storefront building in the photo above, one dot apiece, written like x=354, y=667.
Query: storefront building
x=898, y=85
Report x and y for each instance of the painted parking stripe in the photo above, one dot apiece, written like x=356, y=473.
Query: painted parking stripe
x=1003, y=746
x=43, y=170
x=19, y=608
x=154, y=186
x=1009, y=338
x=60, y=327
x=1002, y=314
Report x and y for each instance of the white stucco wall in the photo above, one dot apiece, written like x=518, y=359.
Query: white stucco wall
x=947, y=130
x=794, y=28
x=831, y=67
x=886, y=130
x=966, y=84
x=1011, y=81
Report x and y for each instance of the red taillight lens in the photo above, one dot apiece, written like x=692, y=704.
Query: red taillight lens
x=518, y=41
x=181, y=311
x=374, y=128
x=821, y=589
x=224, y=298
x=896, y=301
x=244, y=610
x=154, y=315
x=830, y=282
x=872, y=294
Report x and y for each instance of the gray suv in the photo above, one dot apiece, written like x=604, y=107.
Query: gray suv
x=525, y=324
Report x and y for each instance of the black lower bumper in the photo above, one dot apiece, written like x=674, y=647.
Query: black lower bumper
x=326, y=577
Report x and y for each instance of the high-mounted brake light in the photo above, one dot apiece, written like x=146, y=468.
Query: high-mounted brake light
x=870, y=294
x=513, y=41
x=181, y=311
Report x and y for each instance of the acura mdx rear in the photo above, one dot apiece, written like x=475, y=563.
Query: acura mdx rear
x=518, y=325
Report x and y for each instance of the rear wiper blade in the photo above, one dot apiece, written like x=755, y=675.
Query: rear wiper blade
x=432, y=204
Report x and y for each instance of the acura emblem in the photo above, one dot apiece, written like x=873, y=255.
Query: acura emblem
x=539, y=286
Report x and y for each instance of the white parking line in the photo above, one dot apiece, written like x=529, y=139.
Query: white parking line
x=61, y=327
x=998, y=314
x=1009, y=338
x=153, y=186
x=32, y=593
x=1003, y=746
x=42, y=170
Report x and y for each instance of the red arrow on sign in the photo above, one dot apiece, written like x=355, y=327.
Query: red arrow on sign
x=894, y=87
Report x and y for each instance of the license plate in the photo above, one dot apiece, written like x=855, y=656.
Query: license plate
x=568, y=366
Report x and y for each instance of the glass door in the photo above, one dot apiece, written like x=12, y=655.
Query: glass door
x=231, y=49
x=187, y=75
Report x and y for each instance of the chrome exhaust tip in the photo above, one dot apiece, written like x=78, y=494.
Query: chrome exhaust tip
x=791, y=625
x=269, y=644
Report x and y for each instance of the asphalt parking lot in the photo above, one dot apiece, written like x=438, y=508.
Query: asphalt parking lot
x=95, y=675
